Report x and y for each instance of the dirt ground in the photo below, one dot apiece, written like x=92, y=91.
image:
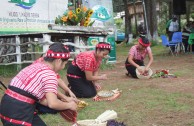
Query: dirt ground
x=181, y=65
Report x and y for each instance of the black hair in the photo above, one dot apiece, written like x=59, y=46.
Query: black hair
x=102, y=49
x=57, y=47
x=145, y=40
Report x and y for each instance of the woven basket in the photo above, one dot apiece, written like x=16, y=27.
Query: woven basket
x=150, y=72
x=90, y=122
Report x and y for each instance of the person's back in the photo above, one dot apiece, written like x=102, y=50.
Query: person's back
x=192, y=31
x=185, y=36
x=192, y=27
x=141, y=29
x=172, y=26
x=186, y=32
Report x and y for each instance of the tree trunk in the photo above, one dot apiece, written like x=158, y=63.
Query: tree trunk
x=127, y=21
x=151, y=15
x=148, y=14
x=153, y=20
x=134, y=7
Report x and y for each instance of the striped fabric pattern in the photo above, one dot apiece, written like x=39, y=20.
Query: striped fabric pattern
x=41, y=59
x=137, y=55
x=69, y=115
x=86, y=61
x=185, y=33
x=36, y=79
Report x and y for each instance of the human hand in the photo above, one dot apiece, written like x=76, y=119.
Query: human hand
x=66, y=99
x=103, y=77
x=69, y=99
x=73, y=105
x=43, y=102
x=98, y=87
x=140, y=70
x=75, y=99
x=145, y=71
x=71, y=94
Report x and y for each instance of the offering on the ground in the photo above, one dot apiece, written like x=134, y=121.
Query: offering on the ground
x=146, y=75
x=82, y=104
x=164, y=74
x=105, y=93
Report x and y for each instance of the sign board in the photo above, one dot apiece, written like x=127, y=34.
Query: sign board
x=112, y=55
x=103, y=16
x=103, y=12
x=93, y=41
x=29, y=15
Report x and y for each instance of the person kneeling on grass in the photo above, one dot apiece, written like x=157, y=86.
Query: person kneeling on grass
x=136, y=57
x=35, y=83
x=67, y=97
x=82, y=74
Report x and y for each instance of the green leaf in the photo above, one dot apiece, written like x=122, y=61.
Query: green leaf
x=91, y=23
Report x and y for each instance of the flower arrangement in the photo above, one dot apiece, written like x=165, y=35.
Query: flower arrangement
x=79, y=17
x=160, y=73
x=164, y=74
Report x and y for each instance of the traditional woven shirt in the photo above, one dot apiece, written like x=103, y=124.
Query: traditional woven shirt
x=36, y=79
x=136, y=54
x=41, y=59
x=86, y=61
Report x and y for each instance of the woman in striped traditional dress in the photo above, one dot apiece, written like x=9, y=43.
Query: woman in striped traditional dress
x=35, y=83
x=66, y=96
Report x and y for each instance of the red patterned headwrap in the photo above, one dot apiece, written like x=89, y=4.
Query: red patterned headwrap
x=103, y=46
x=57, y=55
x=140, y=40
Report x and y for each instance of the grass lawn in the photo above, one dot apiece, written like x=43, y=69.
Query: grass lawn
x=153, y=102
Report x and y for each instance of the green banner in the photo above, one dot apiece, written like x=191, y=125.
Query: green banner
x=92, y=41
x=111, y=40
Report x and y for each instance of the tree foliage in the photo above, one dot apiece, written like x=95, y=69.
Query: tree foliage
x=119, y=23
